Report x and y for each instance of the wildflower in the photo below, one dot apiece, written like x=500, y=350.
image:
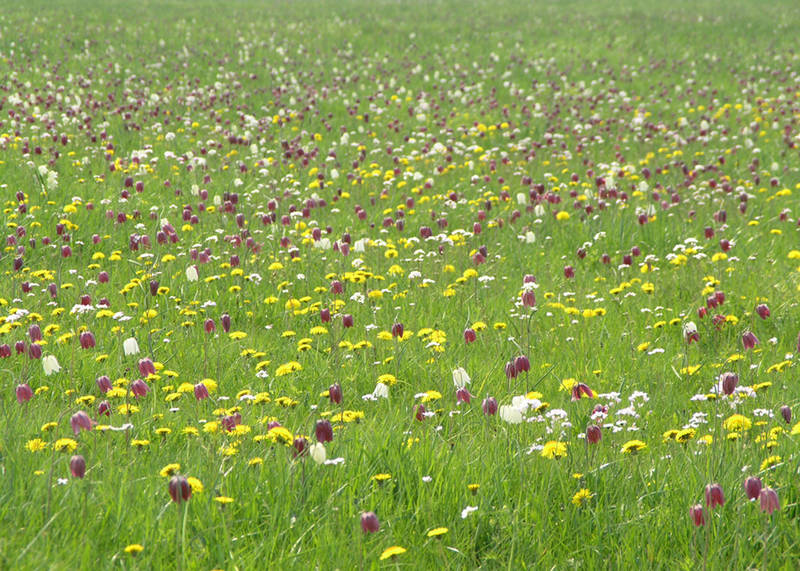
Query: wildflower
x=130, y=346
x=77, y=466
x=594, y=434
x=24, y=393
x=195, y=484
x=729, y=382
x=169, y=470
x=554, y=450
x=50, y=365
x=752, y=487
x=582, y=497
x=104, y=383
x=762, y=310
x=87, y=340
x=200, y=391
x=300, y=444
x=80, y=421
x=139, y=388
x=696, y=513
x=65, y=445
x=633, y=446
x=463, y=396
x=393, y=551
x=335, y=393
x=179, y=489
x=191, y=273
x=768, y=498
x=690, y=332
x=437, y=532
x=714, y=496
x=470, y=335
x=318, y=453
x=381, y=391
x=786, y=413
x=146, y=367
x=323, y=431
x=489, y=406
x=223, y=500
x=749, y=340
x=460, y=378
x=737, y=423
x=580, y=389
x=369, y=522
x=510, y=414
x=397, y=330
x=134, y=549
x=36, y=445
x=769, y=462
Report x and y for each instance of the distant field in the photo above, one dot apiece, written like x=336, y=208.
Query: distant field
x=337, y=285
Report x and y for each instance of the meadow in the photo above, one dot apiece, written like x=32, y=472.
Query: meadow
x=338, y=285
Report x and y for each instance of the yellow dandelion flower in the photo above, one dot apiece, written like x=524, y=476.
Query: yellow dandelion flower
x=169, y=470
x=582, y=497
x=437, y=532
x=195, y=484
x=770, y=462
x=134, y=549
x=224, y=500
x=65, y=445
x=554, y=450
x=257, y=461
x=737, y=423
x=633, y=446
x=381, y=478
x=36, y=445
x=393, y=551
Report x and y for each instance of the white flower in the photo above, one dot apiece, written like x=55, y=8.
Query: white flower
x=130, y=346
x=460, y=378
x=510, y=414
x=381, y=390
x=191, y=274
x=317, y=452
x=50, y=365
x=468, y=510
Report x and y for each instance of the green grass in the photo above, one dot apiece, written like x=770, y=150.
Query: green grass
x=682, y=98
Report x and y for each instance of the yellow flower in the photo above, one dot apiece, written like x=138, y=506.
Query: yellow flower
x=473, y=488
x=65, y=445
x=436, y=532
x=392, y=552
x=288, y=368
x=582, y=497
x=169, y=470
x=737, y=422
x=770, y=462
x=257, y=461
x=554, y=450
x=134, y=549
x=36, y=445
x=223, y=500
x=633, y=446
x=381, y=478
x=140, y=443
x=195, y=484
x=280, y=435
